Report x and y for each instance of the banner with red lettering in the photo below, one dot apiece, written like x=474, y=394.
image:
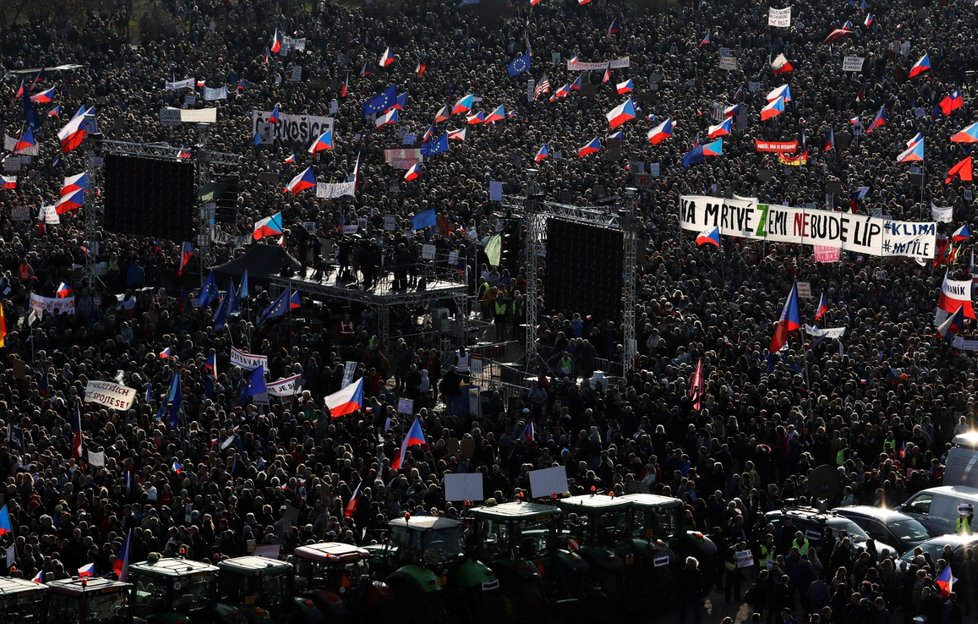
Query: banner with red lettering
x=776, y=147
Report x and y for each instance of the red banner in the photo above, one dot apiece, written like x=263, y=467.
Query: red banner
x=776, y=147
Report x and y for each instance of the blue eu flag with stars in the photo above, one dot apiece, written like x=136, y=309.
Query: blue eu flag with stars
x=519, y=65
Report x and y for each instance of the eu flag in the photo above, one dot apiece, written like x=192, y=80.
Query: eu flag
x=435, y=146
x=424, y=219
x=519, y=65
x=380, y=102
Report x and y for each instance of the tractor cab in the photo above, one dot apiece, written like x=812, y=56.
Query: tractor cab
x=88, y=601
x=336, y=577
x=429, y=556
x=21, y=601
x=541, y=580
x=172, y=590
x=595, y=526
x=262, y=589
x=658, y=532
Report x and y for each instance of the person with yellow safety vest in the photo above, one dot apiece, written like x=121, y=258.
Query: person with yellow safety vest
x=765, y=552
x=801, y=543
x=733, y=575
x=962, y=526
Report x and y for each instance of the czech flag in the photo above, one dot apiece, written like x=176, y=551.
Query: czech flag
x=562, y=92
x=773, y=109
x=914, y=153
x=351, y=506
x=5, y=524
x=269, y=226
x=578, y=83
x=836, y=35
x=781, y=65
x=543, y=154
x=961, y=234
x=55, y=112
x=830, y=140
x=421, y=69
x=613, y=27
x=388, y=118
x=790, y=321
x=823, y=307
x=968, y=135
x=121, y=564
x=71, y=201
x=74, y=183
x=951, y=102
x=457, y=135
x=443, y=115
x=176, y=466
x=661, y=132
x=346, y=400
x=731, y=111
x=625, y=87
x=945, y=582
x=868, y=22
x=387, y=58
x=961, y=170
x=617, y=136
x=289, y=159
x=210, y=364
x=720, y=130
x=274, y=116
x=476, y=119
x=64, y=291
x=497, y=115
x=464, y=105
x=529, y=432
x=323, y=143
x=72, y=135
x=39, y=577
x=621, y=113
x=87, y=570
x=414, y=437
x=784, y=91
x=165, y=353
x=953, y=324
x=593, y=146
x=25, y=142
x=705, y=40
x=186, y=253
x=44, y=97
x=345, y=89
x=305, y=180
x=8, y=182
x=920, y=66
x=709, y=237
x=276, y=42
x=713, y=149
x=413, y=173
x=878, y=121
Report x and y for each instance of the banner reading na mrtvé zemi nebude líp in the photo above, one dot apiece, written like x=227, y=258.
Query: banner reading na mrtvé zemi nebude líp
x=747, y=218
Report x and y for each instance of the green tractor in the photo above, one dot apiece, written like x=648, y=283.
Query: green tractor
x=263, y=590
x=337, y=578
x=88, y=601
x=540, y=580
x=179, y=591
x=657, y=528
x=21, y=601
x=426, y=555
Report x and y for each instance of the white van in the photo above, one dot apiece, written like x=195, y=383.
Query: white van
x=961, y=467
x=937, y=508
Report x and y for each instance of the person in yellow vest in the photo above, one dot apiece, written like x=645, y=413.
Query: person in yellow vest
x=801, y=543
x=765, y=552
x=962, y=526
x=734, y=575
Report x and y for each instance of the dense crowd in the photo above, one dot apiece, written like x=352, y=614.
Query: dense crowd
x=748, y=449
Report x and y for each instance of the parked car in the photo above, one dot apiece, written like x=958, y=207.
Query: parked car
x=886, y=525
x=937, y=508
x=961, y=466
x=935, y=546
x=812, y=522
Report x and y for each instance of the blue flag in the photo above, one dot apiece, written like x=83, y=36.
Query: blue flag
x=30, y=117
x=233, y=308
x=380, y=102
x=243, y=288
x=221, y=316
x=435, y=146
x=287, y=301
x=174, y=399
x=424, y=219
x=256, y=385
x=208, y=292
x=519, y=65
x=693, y=157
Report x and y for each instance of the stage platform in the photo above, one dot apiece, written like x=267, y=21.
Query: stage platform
x=441, y=284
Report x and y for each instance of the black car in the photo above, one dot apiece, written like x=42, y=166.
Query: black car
x=886, y=525
x=813, y=522
x=935, y=546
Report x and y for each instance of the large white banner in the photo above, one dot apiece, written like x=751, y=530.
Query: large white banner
x=109, y=394
x=248, y=361
x=746, y=218
x=51, y=305
x=302, y=128
x=186, y=83
x=941, y=214
x=827, y=332
x=221, y=93
x=290, y=43
x=618, y=63
x=285, y=387
x=779, y=18
x=332, y=190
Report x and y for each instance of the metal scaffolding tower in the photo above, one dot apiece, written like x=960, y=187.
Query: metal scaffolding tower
x=629, y=271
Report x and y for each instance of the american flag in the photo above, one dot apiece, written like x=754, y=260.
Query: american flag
x=542, y=87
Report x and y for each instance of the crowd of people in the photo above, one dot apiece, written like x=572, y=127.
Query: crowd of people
x=289, y=469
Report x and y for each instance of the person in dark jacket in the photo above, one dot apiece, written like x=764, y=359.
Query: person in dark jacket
x=691, y=587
